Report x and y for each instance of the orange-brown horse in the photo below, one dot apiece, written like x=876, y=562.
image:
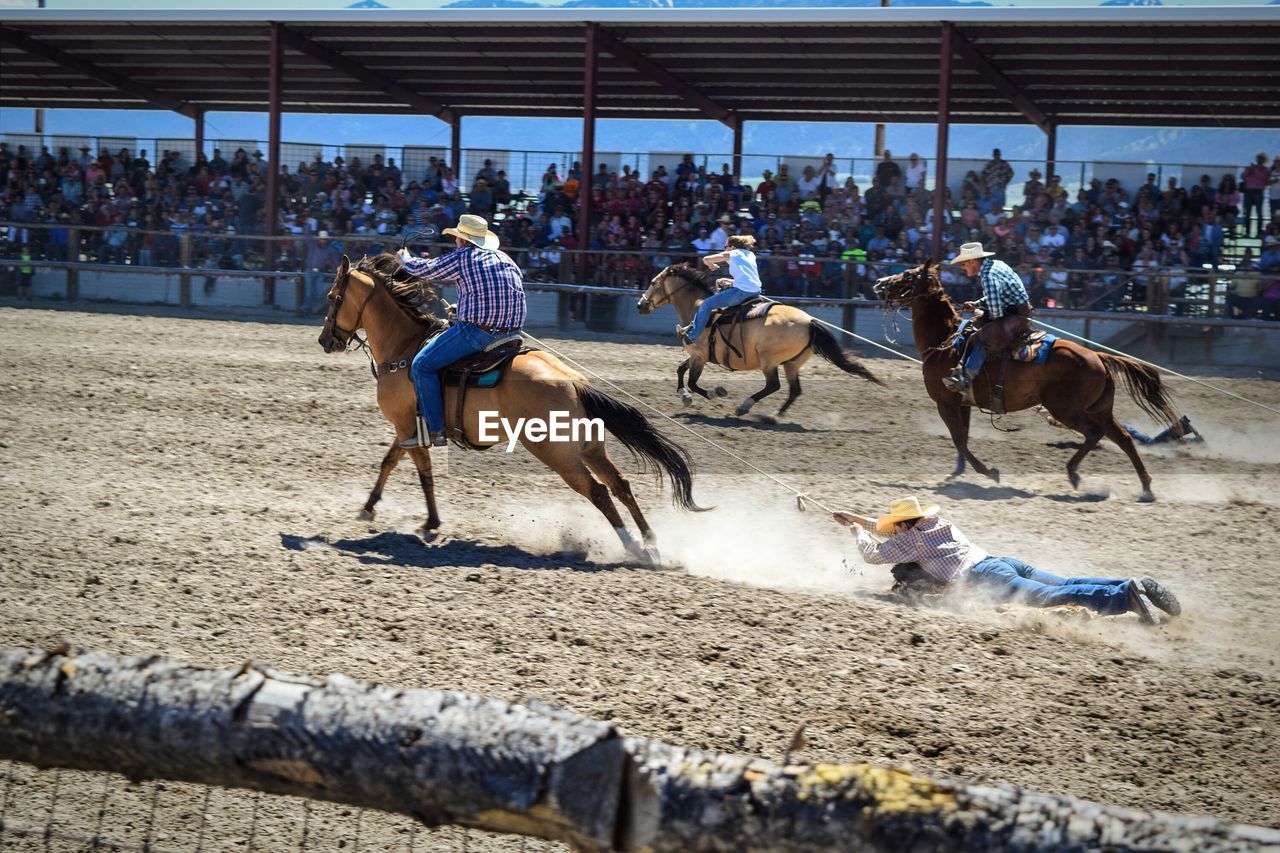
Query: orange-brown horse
x=1076, y=384
x=376, y=296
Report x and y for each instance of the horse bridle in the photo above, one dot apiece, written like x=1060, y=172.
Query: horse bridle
x=336, y=302
x=667, y=293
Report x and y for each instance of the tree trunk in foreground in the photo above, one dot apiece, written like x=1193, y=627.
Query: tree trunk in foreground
x=536, y=770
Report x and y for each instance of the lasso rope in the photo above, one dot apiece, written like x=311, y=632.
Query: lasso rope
x=801, y=497
x=1170, y=371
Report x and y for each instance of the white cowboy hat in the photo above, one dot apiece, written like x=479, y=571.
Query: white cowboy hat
x=970, y=252
x=474, y=230
x=904, y=509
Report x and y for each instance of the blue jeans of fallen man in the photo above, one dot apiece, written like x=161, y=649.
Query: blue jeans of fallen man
x=459, y=340
x=726, y=298
x=1010, y=579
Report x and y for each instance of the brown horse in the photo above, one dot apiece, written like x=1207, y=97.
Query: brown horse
x=1076, y=384
x=378, y=297
x=785, y=338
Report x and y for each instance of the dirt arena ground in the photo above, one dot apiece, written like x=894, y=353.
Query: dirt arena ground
x=191, y=488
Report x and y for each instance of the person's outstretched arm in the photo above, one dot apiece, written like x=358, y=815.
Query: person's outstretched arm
x=717, y=259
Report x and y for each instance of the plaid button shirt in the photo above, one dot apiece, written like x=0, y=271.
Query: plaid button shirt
x=939, y=548
x=1001, y=288
x=490, y=285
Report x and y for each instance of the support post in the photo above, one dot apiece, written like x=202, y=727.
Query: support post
x=275, y=78
x=199, y=132
x=944, y=132
x=73, y=272
x=737, y=148
x=1051, y=152
x=455, y=149
x=184, y=277
x=590, y=57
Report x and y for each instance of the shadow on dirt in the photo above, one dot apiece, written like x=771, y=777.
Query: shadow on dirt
x=390, y=548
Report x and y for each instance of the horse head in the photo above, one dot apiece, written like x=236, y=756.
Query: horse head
x=664, y=285
x=657, y=295
x=343, y=319
x=906, y=287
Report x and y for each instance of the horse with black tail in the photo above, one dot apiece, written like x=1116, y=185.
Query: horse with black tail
x=378, y=297
x=1076, y=384
x=785, y=337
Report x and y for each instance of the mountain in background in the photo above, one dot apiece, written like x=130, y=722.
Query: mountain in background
x=697, y=4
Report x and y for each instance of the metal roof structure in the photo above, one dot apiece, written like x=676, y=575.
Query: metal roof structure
x=1161, y=66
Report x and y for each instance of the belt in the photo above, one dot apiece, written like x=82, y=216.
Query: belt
x=493, y=330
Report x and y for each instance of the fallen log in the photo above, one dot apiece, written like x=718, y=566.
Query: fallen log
x=532, y=769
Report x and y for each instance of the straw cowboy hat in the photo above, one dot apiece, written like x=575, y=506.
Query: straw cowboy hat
x=970, y=252
x=474, y=230
x=904, y=509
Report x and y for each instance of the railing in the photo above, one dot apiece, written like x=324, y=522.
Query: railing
x=202, y=259
x=524, y=169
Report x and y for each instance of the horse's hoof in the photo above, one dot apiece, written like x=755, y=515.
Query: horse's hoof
x=721, y=391
x=742, y=410
x=994, y=474
x=366, y=515
x=1074, y=478
x=686, y=398
x=1147, y=497
x=651, y=556
x=428, y=535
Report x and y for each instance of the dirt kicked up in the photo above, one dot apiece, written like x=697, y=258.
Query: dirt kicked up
x=191, y=488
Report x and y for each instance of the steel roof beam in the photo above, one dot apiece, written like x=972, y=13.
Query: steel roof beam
x=1000, y=82
x=27, y=44
x=300, y=43
x=664, y=78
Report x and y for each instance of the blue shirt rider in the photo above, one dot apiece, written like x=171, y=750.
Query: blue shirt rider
x=746, y=284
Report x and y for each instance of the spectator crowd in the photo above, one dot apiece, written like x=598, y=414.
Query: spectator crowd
x=817, y=235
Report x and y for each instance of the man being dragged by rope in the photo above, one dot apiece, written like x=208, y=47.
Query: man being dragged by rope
x=491, y=305
x=1006, y=309
x=746, y=284
x=916, y=534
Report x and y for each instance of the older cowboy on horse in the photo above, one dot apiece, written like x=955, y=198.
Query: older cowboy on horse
x=1006, y=308
x=491, y=305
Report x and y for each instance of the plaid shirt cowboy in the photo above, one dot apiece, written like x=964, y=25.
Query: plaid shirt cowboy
x=1001, y=288
x=940, y=549
x=490, y=285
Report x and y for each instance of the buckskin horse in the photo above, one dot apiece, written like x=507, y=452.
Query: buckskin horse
x=377, y=296
x=1076, y=384
x=786, y=337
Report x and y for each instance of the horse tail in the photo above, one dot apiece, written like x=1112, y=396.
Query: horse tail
x=825, y=345
x=1144, y=385
x=629, y=426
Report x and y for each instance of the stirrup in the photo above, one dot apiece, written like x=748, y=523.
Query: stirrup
x=424, y=437
x=956, y=382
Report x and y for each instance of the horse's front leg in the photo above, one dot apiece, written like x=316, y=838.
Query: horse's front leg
x=685, y=397
x=422, y=459
x=956, y=417
x=695, y=373
x=389, y=463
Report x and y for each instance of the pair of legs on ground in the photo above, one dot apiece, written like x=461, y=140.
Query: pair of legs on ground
x=1010, y=579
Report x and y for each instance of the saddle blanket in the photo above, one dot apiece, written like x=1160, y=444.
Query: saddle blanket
x=1034, y=349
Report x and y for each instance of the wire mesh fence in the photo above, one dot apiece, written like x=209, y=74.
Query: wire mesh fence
x=63, y=810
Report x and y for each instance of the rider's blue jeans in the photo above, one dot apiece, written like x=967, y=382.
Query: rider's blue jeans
x=459, y=340
x=726, y=298
x=1009, y=578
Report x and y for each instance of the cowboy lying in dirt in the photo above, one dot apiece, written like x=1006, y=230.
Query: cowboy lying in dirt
x=916, y=534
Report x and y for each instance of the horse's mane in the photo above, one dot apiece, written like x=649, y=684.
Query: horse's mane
x=704, y=280
x=408, y=292
x=952, y=317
